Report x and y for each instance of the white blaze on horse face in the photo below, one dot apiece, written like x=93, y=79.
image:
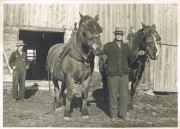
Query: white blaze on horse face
x=156, y=45
x=96, y=45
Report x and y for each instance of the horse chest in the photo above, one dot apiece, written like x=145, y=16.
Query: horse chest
x=82, y=73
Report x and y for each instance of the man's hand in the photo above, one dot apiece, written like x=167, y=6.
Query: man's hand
x=140, y=53
x=27, y=67
x=14, y=67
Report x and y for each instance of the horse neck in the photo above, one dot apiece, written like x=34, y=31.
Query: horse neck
x=137, y=41
x=78, y=43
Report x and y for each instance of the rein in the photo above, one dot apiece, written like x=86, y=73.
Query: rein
x=75, y=53
x=139, y=60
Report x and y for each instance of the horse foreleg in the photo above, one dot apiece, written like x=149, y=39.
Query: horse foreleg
x=63, y=87
x=57, y=98
x=135, y=83
x=85, y=90
x=69, y=97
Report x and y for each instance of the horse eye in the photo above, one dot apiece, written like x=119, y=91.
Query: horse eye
x=147, y=34
x=87, y=28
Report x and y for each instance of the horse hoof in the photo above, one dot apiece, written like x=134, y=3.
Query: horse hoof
x=60, y=109
x=85, y=117
x=67, y=118
x=58, y=105
x=84, y=113
x=50, y=112
x=67, y=114
x=130, y=107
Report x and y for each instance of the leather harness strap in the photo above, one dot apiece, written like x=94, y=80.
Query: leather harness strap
x=74, y=52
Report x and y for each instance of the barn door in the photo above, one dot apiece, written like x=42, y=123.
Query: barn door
x=165, y=70
x=37, y=46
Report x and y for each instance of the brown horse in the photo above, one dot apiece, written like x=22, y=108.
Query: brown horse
x=77, y=66
x=146, y=39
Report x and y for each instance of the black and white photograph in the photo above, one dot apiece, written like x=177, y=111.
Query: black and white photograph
x=107, y=64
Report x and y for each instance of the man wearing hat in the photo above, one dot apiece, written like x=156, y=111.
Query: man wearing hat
x=19, y=64
x=118, y=54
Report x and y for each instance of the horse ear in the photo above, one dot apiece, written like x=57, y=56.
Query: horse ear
x=96, y=17
x=154, y=26
x=143, y=25
x=81, y=15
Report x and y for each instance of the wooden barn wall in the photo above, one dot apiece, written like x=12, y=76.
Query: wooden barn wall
x=165, y=67
x=164, y=16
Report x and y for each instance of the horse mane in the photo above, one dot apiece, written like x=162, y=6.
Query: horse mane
x=85, y=18
x=137, y=39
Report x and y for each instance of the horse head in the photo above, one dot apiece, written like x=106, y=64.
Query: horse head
x=90, y=33
x=151, y=39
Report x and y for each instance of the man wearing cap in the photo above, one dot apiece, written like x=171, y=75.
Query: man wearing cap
x=118, y=54
x=19, y=64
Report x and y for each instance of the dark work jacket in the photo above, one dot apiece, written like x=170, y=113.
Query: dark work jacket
x=117, y=59
x=18, y=60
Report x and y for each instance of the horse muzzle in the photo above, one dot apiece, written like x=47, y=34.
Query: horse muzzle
x=154, y=55
x=97, y=51
x=96, y=48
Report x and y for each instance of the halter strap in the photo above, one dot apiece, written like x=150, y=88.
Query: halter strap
x=75, y=53
x=86, y=22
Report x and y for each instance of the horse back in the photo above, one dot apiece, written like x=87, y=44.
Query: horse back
x=53, y=54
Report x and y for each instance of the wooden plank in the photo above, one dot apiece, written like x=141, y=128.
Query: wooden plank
x=131, y=16
x=76, y=11
x=26, y=15
x=7, y=15
x=50, y=15
x=15, y=13
x=127, y=18
x=123, y=19
x=175, y=24
x=72, y=16
x=105, y=22
x=42, y=16
x=89, y=11
x=144, y=13
x=23, y=15
x=42, y=29
x=166, y=73
x=116, y=22
x=94, y=11
x=12, y=15
x=136, y=15
x=54, y=16
x=112, y=23
x=31, y=15
x=5, y=9
x=58, y=15
x=36, y=14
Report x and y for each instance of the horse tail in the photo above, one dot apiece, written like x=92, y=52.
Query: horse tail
x=49, y=80
x=48, y=70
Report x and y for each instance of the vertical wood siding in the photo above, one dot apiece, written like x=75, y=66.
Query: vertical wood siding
x=160, y=73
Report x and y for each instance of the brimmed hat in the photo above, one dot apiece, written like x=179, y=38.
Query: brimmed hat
x=119, y=30
x=20, y=43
